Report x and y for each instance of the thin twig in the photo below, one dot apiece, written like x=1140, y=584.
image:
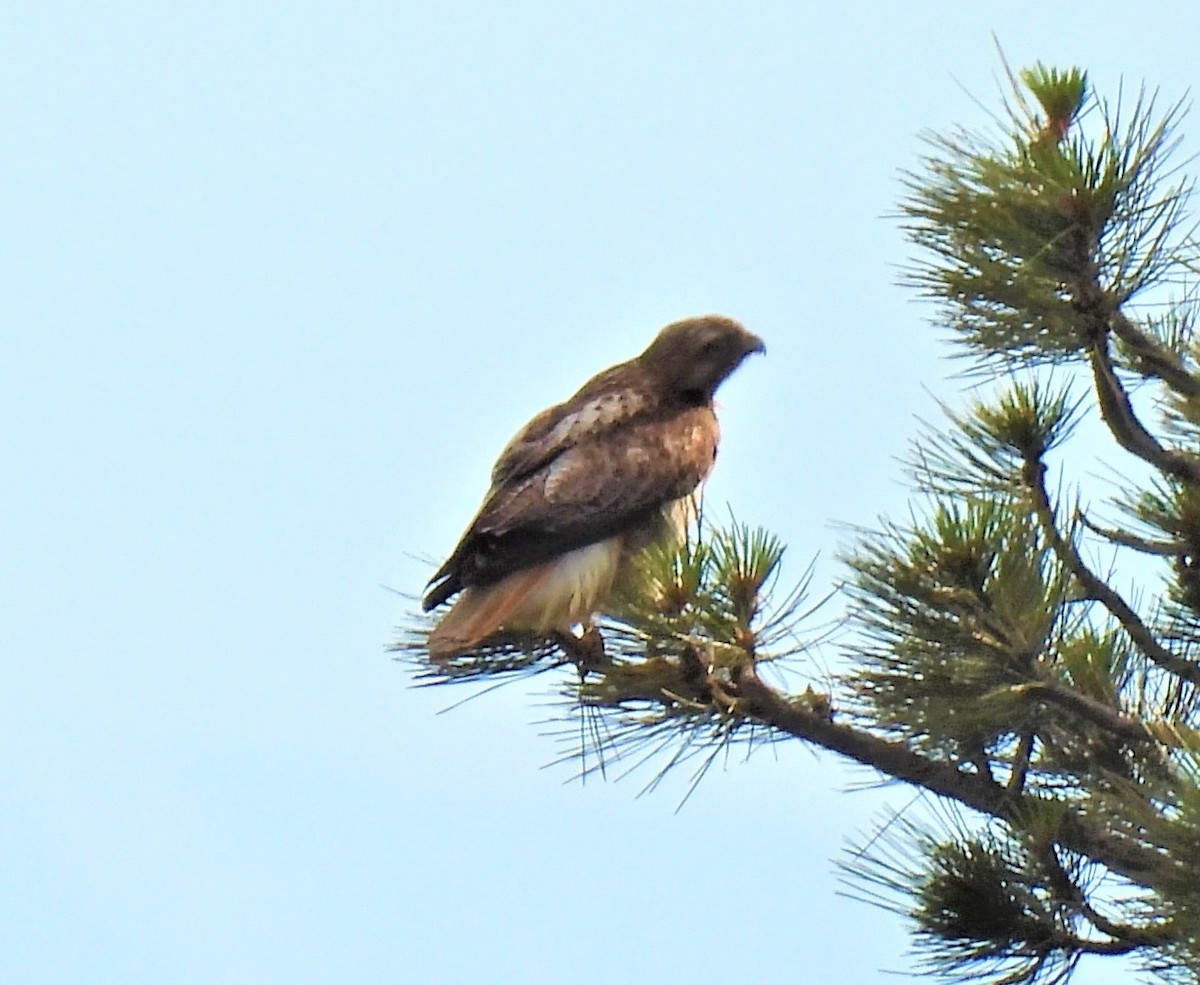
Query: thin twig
x=1157, y=548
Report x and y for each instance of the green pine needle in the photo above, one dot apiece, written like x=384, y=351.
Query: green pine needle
x=1031, y=242
x=1061, y=94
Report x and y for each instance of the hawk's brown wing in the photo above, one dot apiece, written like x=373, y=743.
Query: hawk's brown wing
x=597, y=479
x=608, y=400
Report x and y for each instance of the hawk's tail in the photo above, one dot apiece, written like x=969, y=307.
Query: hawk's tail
x=480, y=612
x=548, y=597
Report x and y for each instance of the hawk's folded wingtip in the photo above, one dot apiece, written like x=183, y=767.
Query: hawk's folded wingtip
x=439, y=591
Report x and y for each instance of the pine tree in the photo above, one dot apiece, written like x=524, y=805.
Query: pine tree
x=1050, y=704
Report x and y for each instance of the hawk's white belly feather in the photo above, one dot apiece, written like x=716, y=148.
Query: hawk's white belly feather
x=571, y=588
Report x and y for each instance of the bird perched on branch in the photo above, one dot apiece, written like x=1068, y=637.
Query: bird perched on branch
x=586, y=484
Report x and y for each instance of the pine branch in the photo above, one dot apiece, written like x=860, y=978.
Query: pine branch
x=1077, y=832
x=994, y=668
x=894, y=759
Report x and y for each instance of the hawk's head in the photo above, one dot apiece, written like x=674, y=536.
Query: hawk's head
x=692, y=357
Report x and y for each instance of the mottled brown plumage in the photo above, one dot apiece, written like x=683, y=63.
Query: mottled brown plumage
x=584, y=484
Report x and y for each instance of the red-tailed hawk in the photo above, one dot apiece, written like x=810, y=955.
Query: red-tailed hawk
x=584, y=485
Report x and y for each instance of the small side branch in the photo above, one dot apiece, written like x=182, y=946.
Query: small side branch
x=1021, y=761
x=1123, y=938
x=1155, y=358
x=1109, y=719
x=1130, y=433
x=1034, y=475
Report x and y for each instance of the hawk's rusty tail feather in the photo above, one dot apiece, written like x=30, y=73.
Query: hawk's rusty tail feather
x=481, y=611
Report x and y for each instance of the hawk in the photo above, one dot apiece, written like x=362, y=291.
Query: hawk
x=585, y=485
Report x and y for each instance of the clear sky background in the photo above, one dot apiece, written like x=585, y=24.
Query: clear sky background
x=279, y=281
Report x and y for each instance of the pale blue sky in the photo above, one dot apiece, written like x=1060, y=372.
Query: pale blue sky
x=279, y=281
